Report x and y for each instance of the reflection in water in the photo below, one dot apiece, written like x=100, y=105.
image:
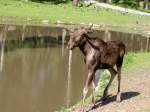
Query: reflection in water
x=134, y=42
x=35, y=80
x=69, y=78
x=23, y=32
x=64, y=33
x=147, y=44
x=2, y=42
x=107, y=35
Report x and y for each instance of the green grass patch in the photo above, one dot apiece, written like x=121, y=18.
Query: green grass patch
x=28, y=11
x=136, y=62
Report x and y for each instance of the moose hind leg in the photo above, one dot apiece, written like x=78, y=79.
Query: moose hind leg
x=119, y=83
x=119, y=66
x=113, y=74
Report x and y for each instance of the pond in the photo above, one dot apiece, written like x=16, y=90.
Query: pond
x=34, y=67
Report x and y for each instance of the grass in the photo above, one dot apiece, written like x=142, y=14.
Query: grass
x=132, y=62
x=28, y=11
x=136, y=62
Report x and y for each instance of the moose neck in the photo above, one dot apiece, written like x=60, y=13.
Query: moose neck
x=82, y=46
x=85, y=45
x=91, y=43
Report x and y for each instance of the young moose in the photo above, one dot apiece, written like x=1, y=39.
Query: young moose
x=98, y=55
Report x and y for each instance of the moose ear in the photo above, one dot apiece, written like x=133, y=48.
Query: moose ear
x=89, y=29
x=82, y=27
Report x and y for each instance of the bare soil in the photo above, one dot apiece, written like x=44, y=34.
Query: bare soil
x=135, y=95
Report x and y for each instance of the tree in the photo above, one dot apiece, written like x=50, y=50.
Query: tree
x=109, y=1
x=75, y=2
x=146, y=4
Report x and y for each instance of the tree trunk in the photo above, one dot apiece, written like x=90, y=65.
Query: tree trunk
x=75, y=2
x=109, y=1
x=146, y=4
x=105, y=1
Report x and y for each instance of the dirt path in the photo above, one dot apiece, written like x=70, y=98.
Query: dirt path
x=135, y=95
x=117, y=8
x=121, y=9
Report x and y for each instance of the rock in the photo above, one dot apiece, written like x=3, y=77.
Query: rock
x=11, y=28
x=59, y=22
x=120, y=111
x=45, y=21
x=82, y=23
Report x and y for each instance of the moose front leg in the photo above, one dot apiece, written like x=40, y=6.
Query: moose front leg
x=93, y=94
x=87, y=84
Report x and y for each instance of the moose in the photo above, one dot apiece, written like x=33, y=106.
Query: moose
x=98, y=54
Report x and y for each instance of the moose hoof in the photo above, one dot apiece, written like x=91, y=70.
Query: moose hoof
x=118, y=99
x=105, y=94
x=93, y=101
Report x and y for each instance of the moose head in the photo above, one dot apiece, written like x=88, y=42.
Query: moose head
x=77, y=36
